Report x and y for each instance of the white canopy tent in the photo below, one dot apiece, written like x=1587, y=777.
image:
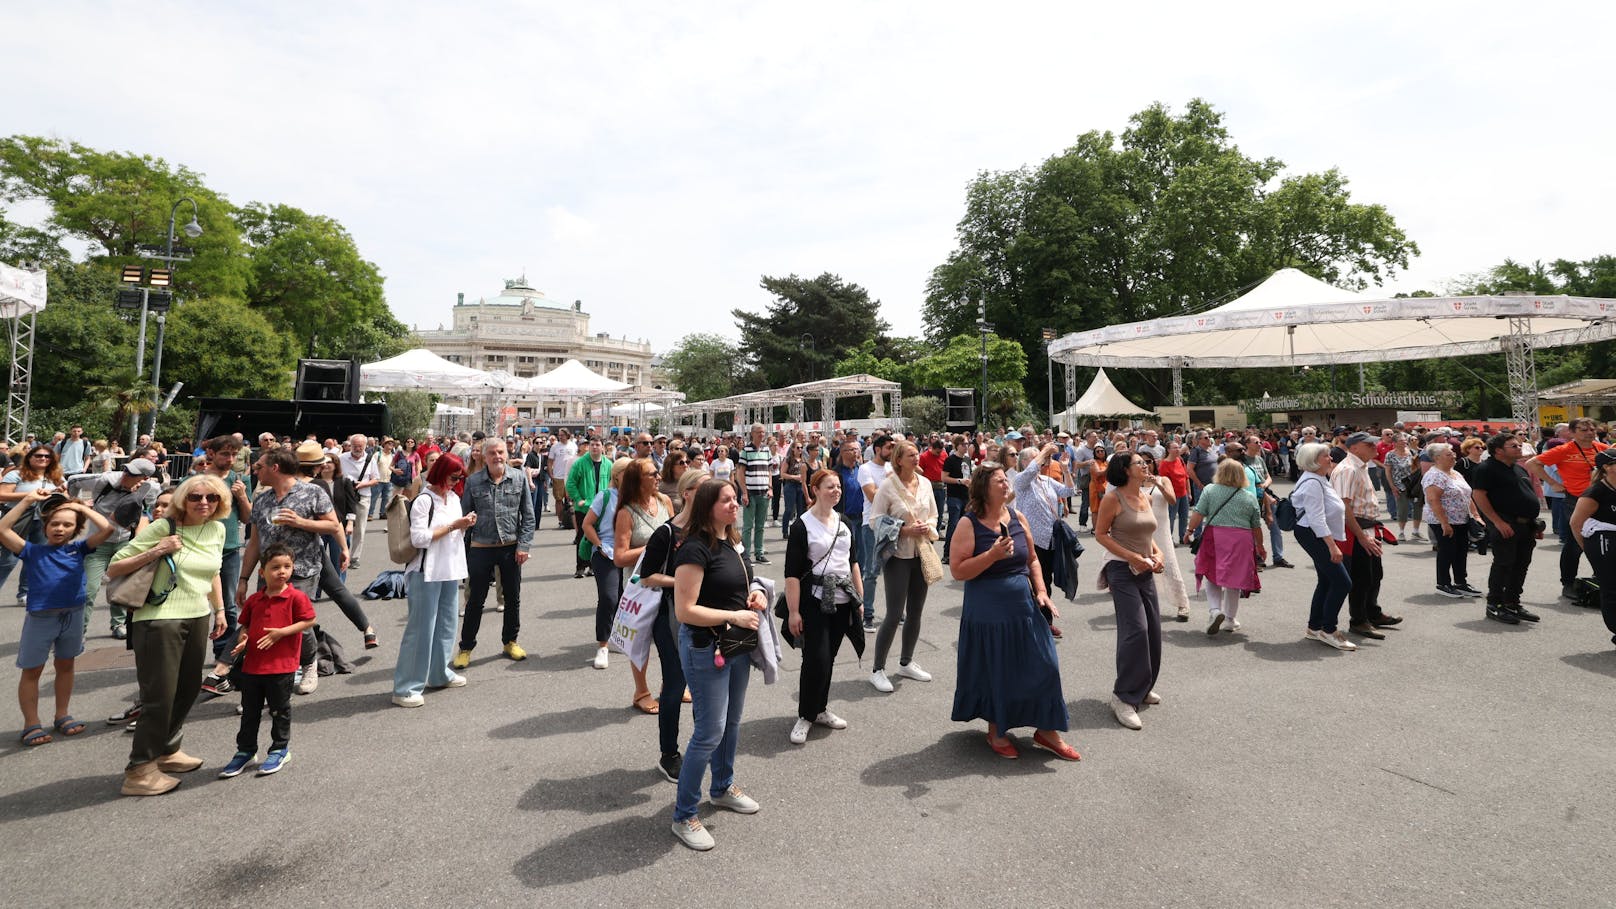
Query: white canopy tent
x=22, y=296
x=452, y=410
x=1101, y=400
x=570, y=380
x=422, y=370
x=1293, y=319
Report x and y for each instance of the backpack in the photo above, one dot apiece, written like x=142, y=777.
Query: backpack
x=1285, y=513
x=399, y=547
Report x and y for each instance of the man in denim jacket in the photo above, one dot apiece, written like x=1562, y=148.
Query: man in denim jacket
x=503, y=502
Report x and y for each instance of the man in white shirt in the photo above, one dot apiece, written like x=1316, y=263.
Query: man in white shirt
x=74, y=451
x=359, y=464
x=562, y=453
x=870, y=476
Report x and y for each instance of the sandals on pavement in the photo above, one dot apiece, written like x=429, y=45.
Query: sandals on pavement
x=648, y=705
x=370, y=640
x=68, y=726
x=35, y=735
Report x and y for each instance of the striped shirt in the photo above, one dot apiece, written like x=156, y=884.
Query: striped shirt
x=1351, y=481
x=754, y=463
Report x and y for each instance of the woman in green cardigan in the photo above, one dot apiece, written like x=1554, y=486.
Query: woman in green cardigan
x=170, y=639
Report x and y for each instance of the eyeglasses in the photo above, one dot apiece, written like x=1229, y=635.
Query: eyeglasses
x=212, y=498
x=40, y=454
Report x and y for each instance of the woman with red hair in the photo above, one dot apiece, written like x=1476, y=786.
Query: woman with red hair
x=432, y=580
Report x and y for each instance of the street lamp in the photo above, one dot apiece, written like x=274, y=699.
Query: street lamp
x=983, y=328
x=1049, y=336
x=164, y=277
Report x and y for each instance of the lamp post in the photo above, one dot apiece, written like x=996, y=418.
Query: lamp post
x=1049, y=364
x=983, y=328
x=193, y=229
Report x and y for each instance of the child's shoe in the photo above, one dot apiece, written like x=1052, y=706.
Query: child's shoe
x=274, y=762
x=236, y=765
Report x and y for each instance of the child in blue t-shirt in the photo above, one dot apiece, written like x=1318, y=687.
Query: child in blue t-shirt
x=55, y=618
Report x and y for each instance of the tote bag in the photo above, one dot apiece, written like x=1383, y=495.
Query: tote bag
x=637, y=609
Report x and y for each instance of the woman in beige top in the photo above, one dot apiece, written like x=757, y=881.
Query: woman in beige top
x=1126, y=527
x=904, y=495
x=640, y=511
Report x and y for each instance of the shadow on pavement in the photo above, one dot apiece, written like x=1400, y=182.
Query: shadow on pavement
x=856, y=689
x=578, y=719
x=605, y=850
x=1602, y=661
x=597, y=793
x=955, y=755
x=1299, y=651
x=1090, y=713
x=1487, y=626
x=575, y=656
x=581, y=613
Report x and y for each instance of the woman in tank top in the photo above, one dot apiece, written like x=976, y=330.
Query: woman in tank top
x=1125, y=526
x=641, y=510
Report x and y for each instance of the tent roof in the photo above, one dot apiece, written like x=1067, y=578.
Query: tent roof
x=572, y=379
x=1293, y=319
x=1103, y=400
x=422, y=370
x=1582, y=391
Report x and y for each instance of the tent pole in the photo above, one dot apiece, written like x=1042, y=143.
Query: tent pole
x=1178, y=382
x=1521, y=366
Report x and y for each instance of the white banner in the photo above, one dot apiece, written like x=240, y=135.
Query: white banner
x=21, y=292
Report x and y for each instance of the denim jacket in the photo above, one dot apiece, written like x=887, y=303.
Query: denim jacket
x=504, y=509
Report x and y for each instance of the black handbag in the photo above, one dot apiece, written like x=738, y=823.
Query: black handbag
x=1195, y=544
x=732, y=640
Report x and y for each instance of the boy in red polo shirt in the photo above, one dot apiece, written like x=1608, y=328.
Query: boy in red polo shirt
x=272, y=621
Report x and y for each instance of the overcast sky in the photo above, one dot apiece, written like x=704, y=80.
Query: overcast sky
x=653, y=160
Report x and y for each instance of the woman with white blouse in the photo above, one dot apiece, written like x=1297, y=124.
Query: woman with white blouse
x=432, y=581
x=1447, y=510
x=1321, y=528
x=904, y=495
x=824, y=598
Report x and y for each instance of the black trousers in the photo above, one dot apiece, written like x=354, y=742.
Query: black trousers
x=332, y=586
x=670, y=701
x=1570, y=561
x=1602, y=554
x=256, y=691
x=1452, y=553
x=822, y=637
x=608, y=591
x=1363, y=600
x=578, y=537
x=1511, y=558
x=480, y=564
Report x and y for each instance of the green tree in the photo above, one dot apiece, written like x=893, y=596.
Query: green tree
x=223, y=348
x=19, y=244
x=1169, y=217
x=959, y=365
x=924, y=413
x=80, y=340
x=410, y=412
x=126, y=396
x=703, y=366
x=812, y=324
x=308, y=277
x=116, y=201
x=867, y=360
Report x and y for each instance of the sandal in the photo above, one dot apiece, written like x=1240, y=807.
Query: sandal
x=370, y=640
x=686, y=698
x=648, y=705
x=68, y=726
x=35, y=735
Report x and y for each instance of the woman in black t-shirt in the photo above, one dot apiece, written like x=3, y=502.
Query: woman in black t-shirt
x=657, y=567
x=1596, y=513
x=710, y=590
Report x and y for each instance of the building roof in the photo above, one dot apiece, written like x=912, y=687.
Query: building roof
x=518, y=292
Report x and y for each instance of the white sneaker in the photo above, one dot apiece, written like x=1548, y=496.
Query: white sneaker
x=830, y=720
x=733, y=799
x=1338, y=641
x=1215, y=623
x=1126, y=714
x=309, y=681
x=879, y=680
x=799, y=731
x=1153, y=698
x=912, y=670
x=456, y=680
x=693, y=834
x=409, y=700
x=601, y=658
x=1234, y=625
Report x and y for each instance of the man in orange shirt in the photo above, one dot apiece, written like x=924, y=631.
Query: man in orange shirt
x=1575, y=460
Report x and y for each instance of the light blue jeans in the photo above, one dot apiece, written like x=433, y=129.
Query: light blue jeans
x=423, y=651
x=866, y=556
x=717, y=697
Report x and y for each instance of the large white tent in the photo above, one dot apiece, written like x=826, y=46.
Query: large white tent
x=570, y=380
x=1101, y=400
x=22, y=296
x=1293, y=319
x=422, y=370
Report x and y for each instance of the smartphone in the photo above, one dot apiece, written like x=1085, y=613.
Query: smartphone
x=1004, y=531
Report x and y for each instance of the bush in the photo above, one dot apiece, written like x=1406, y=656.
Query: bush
x=923, y=414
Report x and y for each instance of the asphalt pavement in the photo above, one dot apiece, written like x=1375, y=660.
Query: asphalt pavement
x=1460, y=762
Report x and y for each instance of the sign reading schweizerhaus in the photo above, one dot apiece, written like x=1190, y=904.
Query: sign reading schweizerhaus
x=1343, y=400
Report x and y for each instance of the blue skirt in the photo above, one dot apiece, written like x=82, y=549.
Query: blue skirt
x=1008, y=672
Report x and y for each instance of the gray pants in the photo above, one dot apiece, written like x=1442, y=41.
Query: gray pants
x=95, y=574
x=169, y=654
x=1139, y=643
x=906, y=596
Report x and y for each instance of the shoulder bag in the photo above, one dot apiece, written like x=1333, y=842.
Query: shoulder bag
x=931, y=564
x=134, y=590
x=1195, y=544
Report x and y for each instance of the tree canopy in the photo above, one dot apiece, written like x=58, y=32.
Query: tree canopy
x=811, y=324
x=702, y=366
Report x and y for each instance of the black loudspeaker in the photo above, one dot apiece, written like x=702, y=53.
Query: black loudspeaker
x=327, y=380
x=326, y=419
x=961, y=408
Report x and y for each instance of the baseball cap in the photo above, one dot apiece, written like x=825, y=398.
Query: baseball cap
x=1605, y=458
x=1012, y=434
x=140, y=467
x=1358, y=437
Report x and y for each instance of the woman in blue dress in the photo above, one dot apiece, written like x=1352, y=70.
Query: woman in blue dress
x=1008, y=672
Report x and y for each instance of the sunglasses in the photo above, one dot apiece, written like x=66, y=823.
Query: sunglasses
x=212, y=498
x=40, y=455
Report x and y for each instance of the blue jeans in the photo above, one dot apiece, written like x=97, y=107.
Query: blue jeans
x=717, y=697
x=1276, y=541
x=939, y=493
x=1178, y=515
x=541, y=498
x=1560, y=518
x=793, y=506
x=229, y=574
x=423, y=651
x=956, y=510
x=754, y=516
x=1333, y=585
x=334, y=550
x=866, y=557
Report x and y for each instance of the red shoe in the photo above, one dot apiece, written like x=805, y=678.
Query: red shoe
x=1007, y=750
x=1058, y=748
x=1054, y=631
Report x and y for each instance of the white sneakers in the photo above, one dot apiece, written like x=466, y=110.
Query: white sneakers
x=1153, y=697
x=733, y=799
x=830, y=720
x=1215, y=623
x=912, y=670
x=456, y=680
x=601, y=659
x=310, y=679
x=409, y=700
x=1126, y=714
x=878, y=678
x=799, y=731
x=1338, y=640
x=693, y=834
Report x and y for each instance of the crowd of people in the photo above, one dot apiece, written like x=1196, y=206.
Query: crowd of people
x=213, y=582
